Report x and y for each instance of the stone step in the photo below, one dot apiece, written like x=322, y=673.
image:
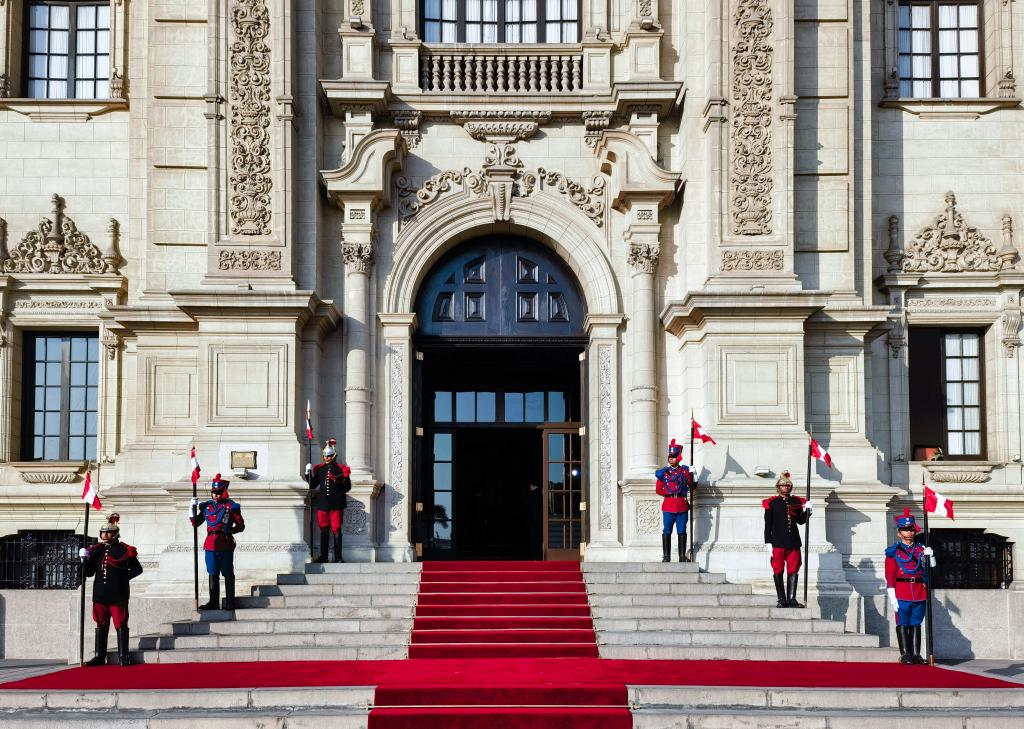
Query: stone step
x=800, y=637
x=711, y=624
x=362, y=579
x=277, y=653
x=287, y=612
x=815, y=699
x=746, y=653
x=662, y=567
x=409, y=590
x=659, y=578
x=717, y=612
x=833, y=719
x=271, y=640
x=616, y=588
x=292, y=625
x=725, y=600
x=325, y=600
x=284, y=718
x=376, y=568
x=446, y=588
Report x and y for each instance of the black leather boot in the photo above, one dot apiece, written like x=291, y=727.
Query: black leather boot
x=666, y=547
x=100, y=659
x=791, y=584
x=229, y=592
x=338, y=556
x=324, y=544
x=902, y=639
x=914, y=644
x=124, y=658
x=780, y=591
x=682, y=548
x=214, y=603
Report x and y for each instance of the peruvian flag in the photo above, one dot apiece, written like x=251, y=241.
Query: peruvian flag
x=820, y=453
x=195, y=467
x=698, y=432
x=936, y=503
x=89, y=494
x=309, y=423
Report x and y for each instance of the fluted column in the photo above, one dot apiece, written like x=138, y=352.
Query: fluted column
x=644, y=250
x=357, y=253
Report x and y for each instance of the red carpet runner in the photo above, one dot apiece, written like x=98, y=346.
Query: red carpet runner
x=502, y=610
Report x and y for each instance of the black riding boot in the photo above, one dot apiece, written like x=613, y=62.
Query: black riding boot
x=666, y=547
x=682, y=548
x=914, y=644
x=324, y=544
x=214, y=603
x=124, y=658
x=902, y=638
x=338, y=557
x=229, y=592
x=100, y=659
x=791, y=583
x=780, y=591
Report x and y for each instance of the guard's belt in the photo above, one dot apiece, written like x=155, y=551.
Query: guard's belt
x=910, y=579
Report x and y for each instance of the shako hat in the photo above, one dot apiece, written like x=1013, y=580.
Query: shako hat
x=906, y=521
x=674, y=449
x=219, y=485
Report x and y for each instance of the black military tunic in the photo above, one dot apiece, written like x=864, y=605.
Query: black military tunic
x=330, y=483
x=782, y=517
x=113, y=564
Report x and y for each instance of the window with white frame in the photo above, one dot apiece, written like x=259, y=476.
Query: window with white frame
x=939, y=48
x=67, y=50
x=500, y=21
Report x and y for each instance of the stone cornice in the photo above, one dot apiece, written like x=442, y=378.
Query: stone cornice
x=677, y=316
x=639, y=180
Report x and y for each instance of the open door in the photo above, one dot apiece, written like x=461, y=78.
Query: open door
x=563, y=492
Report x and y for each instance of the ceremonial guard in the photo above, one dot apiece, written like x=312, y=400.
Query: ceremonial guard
x=783, y=513
x=329, y=483
x=906, y=578
x=113, y=563
x=223, y=518
x=674, y=484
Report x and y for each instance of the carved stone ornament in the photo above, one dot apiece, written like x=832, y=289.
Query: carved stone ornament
x=407, y=121
x=953, y=303
x=249, y=260
x=897, y=337
x=949, y=245
x=396, y=426
x=118, y=85
x=751, y=168
x=358, y=257
x=589, y=200
x=1011, y=328
x=595, y=122
x=643, y=257
x=250, y=118
x=648, y=517
x=354, y=519
x=5, y=86
x=605, y=423
x=57, y=246
x=111, y=343
x=752, y=260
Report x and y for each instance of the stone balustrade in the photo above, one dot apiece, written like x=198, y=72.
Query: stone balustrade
x=496, y=69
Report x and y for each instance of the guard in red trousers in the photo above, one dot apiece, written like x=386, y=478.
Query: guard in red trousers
x=906, y=579
x=113, y=564
x=783, y=515
x=223, y=519
x=330, y=483
x=673, y=485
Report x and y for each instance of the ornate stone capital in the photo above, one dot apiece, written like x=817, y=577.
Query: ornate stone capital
x=358, y=257
x=57, y=246
x=643, y=256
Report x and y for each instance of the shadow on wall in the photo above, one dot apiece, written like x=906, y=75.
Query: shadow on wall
x=861, y=575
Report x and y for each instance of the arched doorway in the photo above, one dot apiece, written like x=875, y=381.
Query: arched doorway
x=498, y=400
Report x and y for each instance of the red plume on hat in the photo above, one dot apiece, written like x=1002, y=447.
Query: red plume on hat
x=674, y=449
x=906, y=521
x=218, y=484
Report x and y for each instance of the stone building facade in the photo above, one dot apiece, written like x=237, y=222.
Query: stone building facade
x=766, y=205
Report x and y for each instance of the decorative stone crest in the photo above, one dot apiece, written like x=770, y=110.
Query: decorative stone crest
x=249, y=260
x=354, y=519
x=949, y=245
x=751, y=205
x=250, y=118
x=57, y=246
x=752, y=260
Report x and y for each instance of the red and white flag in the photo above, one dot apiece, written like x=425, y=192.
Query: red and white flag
x=195, y=467
x=698, y=433
x=820, y=453
x=309, y=423
x=936, y=503
x=89, y=494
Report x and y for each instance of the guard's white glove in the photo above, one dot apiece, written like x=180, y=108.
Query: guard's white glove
x=308, y=469
x=808, y=505
x=83, y=553
x=194, y=507
x=893, y=603
x=930, y=554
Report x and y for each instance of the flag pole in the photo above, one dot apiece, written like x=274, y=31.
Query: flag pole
x=309, y=476
x=81, y=602
x=807, y=523
x=195, y=537
x=693, y=494
x=927, y=578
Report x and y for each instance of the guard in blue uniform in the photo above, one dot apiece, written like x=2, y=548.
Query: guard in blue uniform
x=674, y=484
x=223, y=518
x=906, y=579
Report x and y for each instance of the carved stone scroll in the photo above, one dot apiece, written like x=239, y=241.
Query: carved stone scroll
x=605, y=423
x=249, y=260
x=57, y=246
x=250, y=118
x=751, y=168
x=949, y=245
x=752, y=260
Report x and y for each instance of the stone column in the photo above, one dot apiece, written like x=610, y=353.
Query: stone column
x=357, y=250
x=393, y=505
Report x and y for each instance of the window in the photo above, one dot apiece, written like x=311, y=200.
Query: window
x=68, y=50
x=939, y=53
x=501, y=21
x=36, y=559
x=946, y=394
x=969, y=559
x=61, y=393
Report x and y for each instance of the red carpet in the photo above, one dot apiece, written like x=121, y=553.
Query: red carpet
x=502, y=610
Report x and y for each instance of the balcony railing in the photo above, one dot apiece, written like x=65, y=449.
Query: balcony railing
x=501, y=69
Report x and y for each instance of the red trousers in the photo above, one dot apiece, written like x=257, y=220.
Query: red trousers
x=323, y=518
x=102, y=614
x=788, y=557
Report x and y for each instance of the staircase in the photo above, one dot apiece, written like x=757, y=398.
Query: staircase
x=673, y=611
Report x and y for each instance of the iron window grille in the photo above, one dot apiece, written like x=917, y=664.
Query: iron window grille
x=970, y=559
x=42, y=560
x=500, y=21
x=67, y=50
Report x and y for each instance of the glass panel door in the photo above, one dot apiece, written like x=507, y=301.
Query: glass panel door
x=563, y=491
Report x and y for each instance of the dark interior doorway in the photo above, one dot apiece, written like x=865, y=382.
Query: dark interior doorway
x=499, y=499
